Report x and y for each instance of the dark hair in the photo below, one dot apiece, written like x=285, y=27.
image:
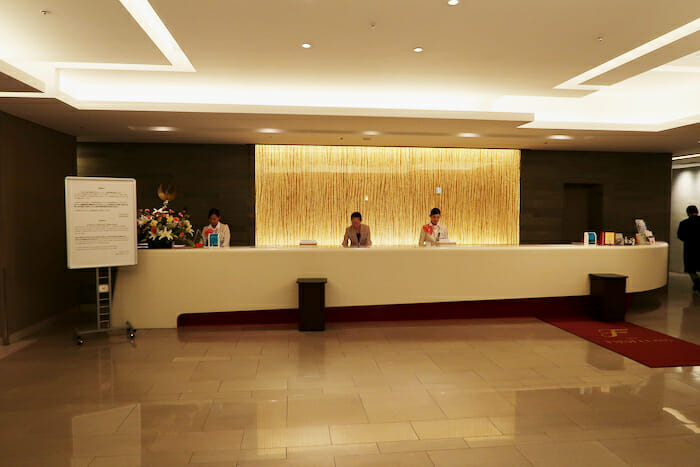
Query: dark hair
x=434, y=211
x=692, y=209
x=355, y=214
x=214, y=211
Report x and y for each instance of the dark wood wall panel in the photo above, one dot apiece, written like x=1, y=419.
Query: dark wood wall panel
x=33, y=164
x=635, y=185
x=207, y=175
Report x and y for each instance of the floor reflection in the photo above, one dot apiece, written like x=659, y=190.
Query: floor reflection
x=472, y=392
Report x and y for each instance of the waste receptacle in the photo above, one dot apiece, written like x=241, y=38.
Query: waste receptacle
x=607, y=300
x=312, y=303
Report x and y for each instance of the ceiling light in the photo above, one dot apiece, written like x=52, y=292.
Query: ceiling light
x=269, y=130
x=560, y=137
x=688, y=156
x=306, y=45
x=468, y=135
x=453, y=2
x=152, y=128
x=370, y=133
x=418, y=49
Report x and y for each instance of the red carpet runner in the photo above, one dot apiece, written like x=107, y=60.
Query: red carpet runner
x=640, y=344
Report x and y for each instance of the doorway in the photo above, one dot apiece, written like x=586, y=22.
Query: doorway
x=583, y=210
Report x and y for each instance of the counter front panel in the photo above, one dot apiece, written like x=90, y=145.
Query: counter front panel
x=168, y=283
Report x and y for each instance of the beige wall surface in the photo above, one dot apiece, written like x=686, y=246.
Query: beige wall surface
x=163, y=286
x=309, y=192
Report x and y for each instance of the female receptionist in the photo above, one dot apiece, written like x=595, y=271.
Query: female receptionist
x=216, y=227
x=357, y=235
x=433, y=232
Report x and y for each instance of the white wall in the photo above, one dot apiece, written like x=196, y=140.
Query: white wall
x=685, y=190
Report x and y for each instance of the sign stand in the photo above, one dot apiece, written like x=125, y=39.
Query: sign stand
x=103, y=288
x=101, y=234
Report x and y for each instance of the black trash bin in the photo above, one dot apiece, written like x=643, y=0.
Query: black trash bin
x=312, y=304
x=607, y=300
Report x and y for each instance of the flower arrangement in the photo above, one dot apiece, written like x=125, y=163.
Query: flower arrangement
x=165, y=226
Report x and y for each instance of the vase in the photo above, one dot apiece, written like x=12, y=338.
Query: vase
x=160, y=243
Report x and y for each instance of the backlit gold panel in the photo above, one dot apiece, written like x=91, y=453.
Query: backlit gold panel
x=309, y=192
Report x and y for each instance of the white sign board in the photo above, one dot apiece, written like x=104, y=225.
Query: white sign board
x=100, y=222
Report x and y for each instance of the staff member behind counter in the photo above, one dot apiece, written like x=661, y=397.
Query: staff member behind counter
x=433, y=232
x=215, y=226
x=357, y=235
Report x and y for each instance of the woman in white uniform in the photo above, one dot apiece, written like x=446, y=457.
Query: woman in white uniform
x=215, y=226
x=433, y=232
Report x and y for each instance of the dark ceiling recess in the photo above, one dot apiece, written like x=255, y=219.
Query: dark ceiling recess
x=10, y=84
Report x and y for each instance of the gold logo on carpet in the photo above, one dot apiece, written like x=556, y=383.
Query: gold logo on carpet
x=612, y=332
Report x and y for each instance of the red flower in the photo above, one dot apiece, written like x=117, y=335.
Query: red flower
x=148, y=210
x=172, y=211
x=182, y=234
x=176, y=219
x=428, y=228
x=154, y=230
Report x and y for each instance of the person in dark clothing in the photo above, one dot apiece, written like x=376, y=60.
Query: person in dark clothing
x=689, y=234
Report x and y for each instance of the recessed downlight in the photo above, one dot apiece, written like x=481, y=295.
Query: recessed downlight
x=418, y=49
x=305, y=45
x=560, y=137
x=269, y=130
x=468, y=135
x=370, y=133
x=453, y=2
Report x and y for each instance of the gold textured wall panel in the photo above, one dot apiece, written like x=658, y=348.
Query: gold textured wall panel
x=309, y=192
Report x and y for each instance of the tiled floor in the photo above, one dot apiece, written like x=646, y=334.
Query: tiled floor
x=452, y=393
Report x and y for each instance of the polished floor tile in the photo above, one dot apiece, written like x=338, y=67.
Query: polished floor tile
x=375, y=432
x=261, y=438
x=462, y=392
x=576, y=454
x=455, y=428
x=326, y=409
x=403, y=459
x=422, y=445
x=463, y=404
x=233, y=415
x=494, y=456
x=655, y=451
x=400, y=406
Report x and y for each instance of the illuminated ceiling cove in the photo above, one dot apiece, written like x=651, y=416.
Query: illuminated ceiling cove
x=598, y=65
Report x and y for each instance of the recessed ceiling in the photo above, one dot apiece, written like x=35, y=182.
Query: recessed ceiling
x=10, y=84
x=611, y=74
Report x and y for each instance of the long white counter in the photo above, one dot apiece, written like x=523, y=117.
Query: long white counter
x=167, y=283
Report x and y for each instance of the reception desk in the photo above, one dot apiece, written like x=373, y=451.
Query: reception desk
x=169, y=283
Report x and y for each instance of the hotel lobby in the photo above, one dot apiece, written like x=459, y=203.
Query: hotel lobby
x=390, y=233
